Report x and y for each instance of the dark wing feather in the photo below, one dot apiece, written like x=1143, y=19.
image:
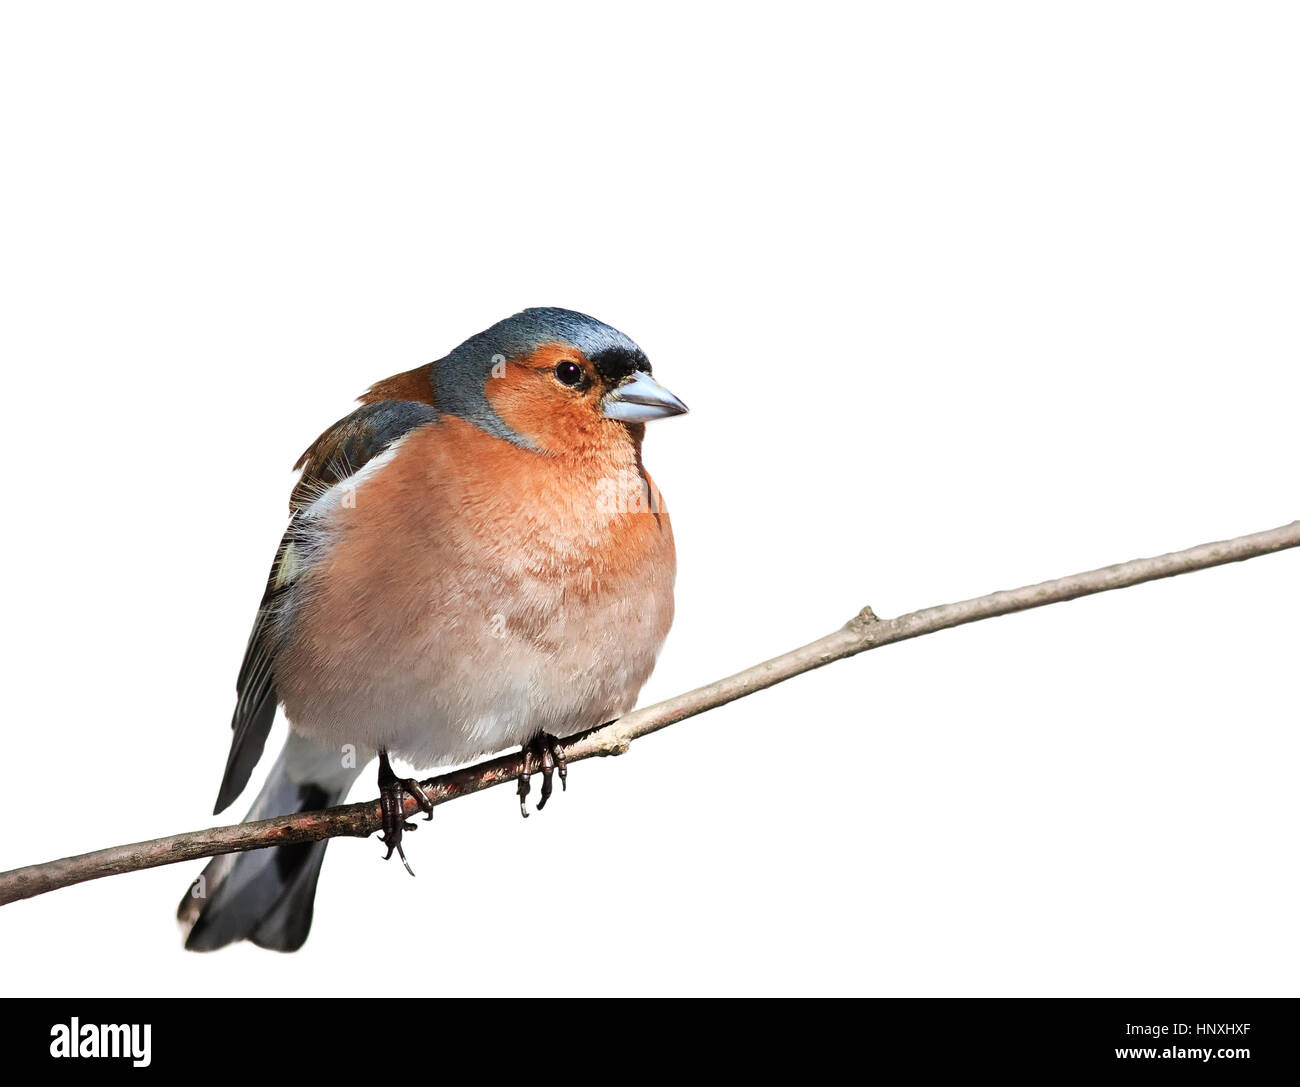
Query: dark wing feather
x=337, y=454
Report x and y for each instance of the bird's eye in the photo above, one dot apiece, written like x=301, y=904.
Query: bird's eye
x=568, y=373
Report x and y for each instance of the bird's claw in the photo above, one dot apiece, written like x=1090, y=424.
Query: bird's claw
x=545, y=753
x=392, y=791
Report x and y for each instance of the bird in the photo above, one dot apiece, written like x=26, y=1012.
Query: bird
x=476, y=559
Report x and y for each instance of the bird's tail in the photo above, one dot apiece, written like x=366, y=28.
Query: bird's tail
x=266, y=895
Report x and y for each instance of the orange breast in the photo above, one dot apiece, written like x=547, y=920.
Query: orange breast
x=476, y=592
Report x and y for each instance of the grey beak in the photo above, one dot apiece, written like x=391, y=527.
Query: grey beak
x=639, y=399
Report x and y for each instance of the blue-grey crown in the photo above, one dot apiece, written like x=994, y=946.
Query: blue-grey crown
x=530, y=329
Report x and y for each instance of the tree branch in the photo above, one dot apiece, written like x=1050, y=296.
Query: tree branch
x=863, y=632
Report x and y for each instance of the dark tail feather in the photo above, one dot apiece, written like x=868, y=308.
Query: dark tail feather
x=264, y=895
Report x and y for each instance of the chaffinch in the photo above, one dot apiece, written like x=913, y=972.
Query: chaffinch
x=476, y=558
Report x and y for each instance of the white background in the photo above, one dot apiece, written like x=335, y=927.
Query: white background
x=961, y=297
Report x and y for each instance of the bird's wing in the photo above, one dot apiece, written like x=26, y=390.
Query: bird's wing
x=342, y=451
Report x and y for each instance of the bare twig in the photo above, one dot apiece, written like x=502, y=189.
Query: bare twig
x=864, y=631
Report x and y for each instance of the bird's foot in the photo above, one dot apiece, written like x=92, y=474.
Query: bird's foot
x=392, y=791
x=545, y=753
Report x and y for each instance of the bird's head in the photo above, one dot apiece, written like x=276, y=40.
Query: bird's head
x=554, y=381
